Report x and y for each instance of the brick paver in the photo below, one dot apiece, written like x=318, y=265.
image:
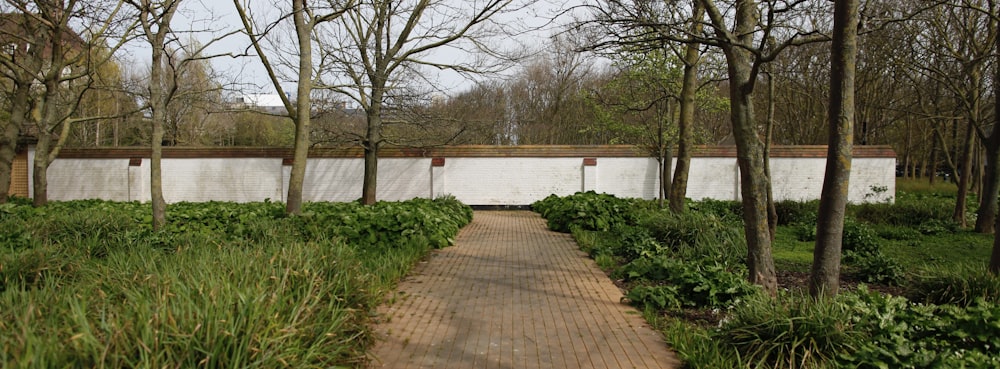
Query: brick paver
x=512, y=294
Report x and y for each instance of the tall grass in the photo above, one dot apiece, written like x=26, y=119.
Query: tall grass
x=792, y=331
x=962, y=285
x=266, y=306
x=106, y=292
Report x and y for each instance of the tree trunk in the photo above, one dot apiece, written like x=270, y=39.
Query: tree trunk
x=995, y=256
x=689, y=88
x=740, y=61
x=772, y=211
x=961, y=200
x=156, y=144
x=303, y=32
x=8, y=151
x=934, y=162
x=370, y=184
x=753, y=186
x=156, y=178
x=666, y=157
x=9, y=135
x=824, y=278
x=159, y=96
x=986, y=215
x=41, y=167
x=992, y=170
x=373, y=139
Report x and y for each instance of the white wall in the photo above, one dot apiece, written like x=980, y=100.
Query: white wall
x=473, y=180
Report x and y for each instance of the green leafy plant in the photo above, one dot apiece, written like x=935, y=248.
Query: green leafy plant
x=878, y=268
x=672, y=283
x=901, y=334
x=859, y=239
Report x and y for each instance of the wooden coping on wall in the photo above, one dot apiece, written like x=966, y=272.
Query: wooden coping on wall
x=470, y=151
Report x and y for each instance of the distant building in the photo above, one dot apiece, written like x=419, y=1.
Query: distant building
x=267, y=103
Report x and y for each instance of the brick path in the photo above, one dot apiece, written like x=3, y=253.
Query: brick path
x=512, y=294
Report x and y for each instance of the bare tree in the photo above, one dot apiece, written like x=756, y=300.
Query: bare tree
x=19, y=66
x=825, y=276
x=305, y=18
x=167, y=59
x=951, y=47
x=637, y=105
x=379, y=41
x=748, y=38
x=49, y=54
x=685, y=120
x=155, y=18
x=652, y=24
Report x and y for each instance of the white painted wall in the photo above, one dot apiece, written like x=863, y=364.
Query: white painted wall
x=473, y=180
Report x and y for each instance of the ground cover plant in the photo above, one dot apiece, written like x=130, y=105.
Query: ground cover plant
x=89, y=284
x=942, y=310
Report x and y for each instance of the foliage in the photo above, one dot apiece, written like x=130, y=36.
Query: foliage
x=908, y=210
x=722, y=209
x=901, y=334
x=863, y=252
x=634, y=105
x=635, y=242
x=796, y=212
x=226, y=285
x=896, y=233
x=387, y=224
x=587, y=210
x=679, y=273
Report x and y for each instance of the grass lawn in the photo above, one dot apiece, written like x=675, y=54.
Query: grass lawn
x=912, y=249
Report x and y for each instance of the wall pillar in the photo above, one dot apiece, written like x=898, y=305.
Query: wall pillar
x=589, y=174
x=437, y=188
x=134, y=178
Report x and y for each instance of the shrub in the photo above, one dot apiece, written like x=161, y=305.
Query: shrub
x=28, y=269
x=587, y=210
x=722, y=209
x=14, y=235
x=896, y=233
x=878, y=268
x=859, y=239
x=937, y=226
x=805, y=232
x=634, y=242
x=796, y=212
x=907, y=211
x=694, y=235
x=386, y=224
x=697, y=346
